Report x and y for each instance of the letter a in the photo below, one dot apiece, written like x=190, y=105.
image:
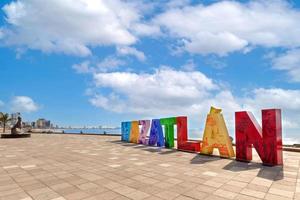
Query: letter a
x=267, y=140
x=156, y=134
x=216, y=135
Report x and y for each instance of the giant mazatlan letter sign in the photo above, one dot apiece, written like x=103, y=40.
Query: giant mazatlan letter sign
x=266, y=140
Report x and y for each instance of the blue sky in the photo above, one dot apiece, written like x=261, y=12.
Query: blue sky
x=92, y=62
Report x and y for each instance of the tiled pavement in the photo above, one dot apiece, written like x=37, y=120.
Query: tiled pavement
x=100, y=167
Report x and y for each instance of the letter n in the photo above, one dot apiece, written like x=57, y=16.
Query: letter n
x=182, y=137
x=266, y=140
x=125, y=129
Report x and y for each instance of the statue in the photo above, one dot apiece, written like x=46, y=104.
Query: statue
x=18, y=125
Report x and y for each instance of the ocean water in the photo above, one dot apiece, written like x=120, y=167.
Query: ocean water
x=194, y=134
x=93, y=131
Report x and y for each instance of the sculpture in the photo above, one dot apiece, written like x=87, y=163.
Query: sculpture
x=216, y=135
x=18, y=125
x=168, y=124
x=134, y=132
x=144, y=130
x=182, y=137
x=267, y=140
x=126, y=126
x=156, y=134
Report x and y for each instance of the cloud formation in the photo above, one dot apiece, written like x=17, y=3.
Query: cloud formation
x=72, y=26
x=83, y=67
x=108, y=64
x=169, y=92
x=289, y=62
x=153, y=93
x=23, y=104
x=125, y=50
x=228, y=26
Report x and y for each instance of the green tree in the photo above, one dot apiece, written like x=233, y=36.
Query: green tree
x=4, y=118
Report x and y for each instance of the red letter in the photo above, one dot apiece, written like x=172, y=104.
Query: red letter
x=182, y=140
x=267, y=141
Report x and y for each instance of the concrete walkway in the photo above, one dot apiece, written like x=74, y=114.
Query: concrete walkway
x=101, y=167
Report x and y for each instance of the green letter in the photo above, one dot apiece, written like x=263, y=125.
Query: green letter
x=169, y=131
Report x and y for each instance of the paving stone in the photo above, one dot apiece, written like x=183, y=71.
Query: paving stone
x=225, y=194
x=280, y=192
x=167, y=195
x=195, y=194
x=253, y=193
x=137, y=195
x=59, y=167
x=276, y=197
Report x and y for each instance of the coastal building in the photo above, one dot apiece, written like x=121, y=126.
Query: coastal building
x=26, y=124
x=43, y=123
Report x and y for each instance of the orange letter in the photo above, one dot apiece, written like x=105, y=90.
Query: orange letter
x=134, y=133
x=216, y=135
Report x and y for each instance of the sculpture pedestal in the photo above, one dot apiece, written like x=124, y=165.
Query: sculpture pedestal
x=22, y=135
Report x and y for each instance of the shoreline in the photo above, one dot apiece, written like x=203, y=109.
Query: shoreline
x=285, y=147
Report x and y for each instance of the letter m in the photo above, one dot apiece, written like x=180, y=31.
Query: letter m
x=267, y=140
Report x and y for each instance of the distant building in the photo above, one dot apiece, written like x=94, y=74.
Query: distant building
x=27, y=124
x=43, y=123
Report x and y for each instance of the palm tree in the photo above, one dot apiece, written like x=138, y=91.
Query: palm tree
x=4, y=118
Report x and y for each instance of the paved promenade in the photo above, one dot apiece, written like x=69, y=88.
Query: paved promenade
x=74, y=167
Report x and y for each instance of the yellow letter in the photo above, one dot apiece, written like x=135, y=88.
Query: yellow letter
x=134, y=133
x=216, y=135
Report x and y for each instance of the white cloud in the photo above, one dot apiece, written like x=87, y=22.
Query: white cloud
x=289, y=140
x=168, y=92
x=72, y=26
x=177, y=3
x=275, y=97
x=158, y=88
x=189, y=65
x=227, y=26
x=111, y=102
x=144, y=29
x=109, y=63
x=287, y=100
x=23, y=104
x=215, y=62
x=1, y=33
x=165, y=92
x=290, y=62
x=125, y=50
x=82, y=68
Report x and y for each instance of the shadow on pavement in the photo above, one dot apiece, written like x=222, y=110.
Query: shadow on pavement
x=274, y=173
x=151, y=149
x=271, y=173
x=202, y=159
